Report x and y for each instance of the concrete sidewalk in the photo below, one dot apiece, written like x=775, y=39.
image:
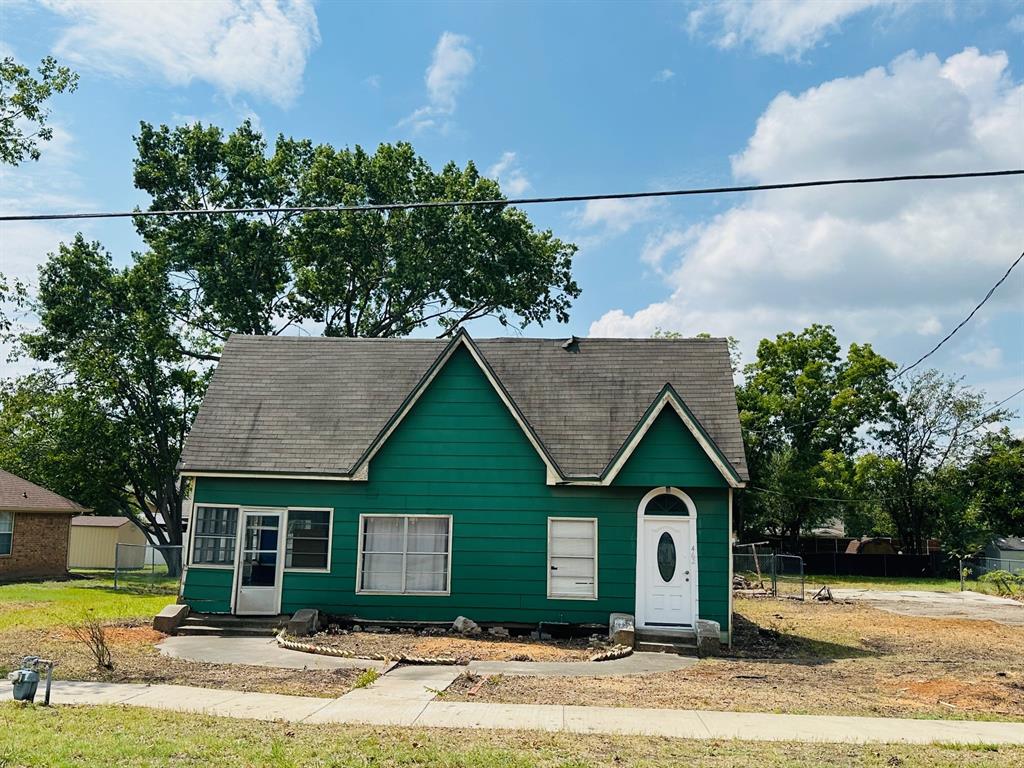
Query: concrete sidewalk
x=407, y=699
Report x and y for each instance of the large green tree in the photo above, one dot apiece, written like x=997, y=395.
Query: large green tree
x=932, y=423
x=994, y=480
x=802, y=404
x=379, y=273
x=123, y=395
x=23, y=110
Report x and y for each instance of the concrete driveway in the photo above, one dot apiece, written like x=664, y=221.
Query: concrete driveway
x=939, y=605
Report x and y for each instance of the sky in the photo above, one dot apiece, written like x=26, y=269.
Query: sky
x=579, y=98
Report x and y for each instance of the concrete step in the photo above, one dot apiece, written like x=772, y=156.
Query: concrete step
x=676, y=648
x=207, y=631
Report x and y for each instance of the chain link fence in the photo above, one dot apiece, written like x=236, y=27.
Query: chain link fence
x=147, y=566
x=767, y=571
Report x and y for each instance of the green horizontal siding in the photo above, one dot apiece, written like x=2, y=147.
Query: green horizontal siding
x=669, y=455
x=460, y=452
x=208, y=590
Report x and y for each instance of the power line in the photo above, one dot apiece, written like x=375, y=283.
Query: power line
x=512, y=201
x=962, y=323
x=1004, y=400
x=755, y=489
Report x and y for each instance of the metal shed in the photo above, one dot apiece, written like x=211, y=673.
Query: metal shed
x=94, y=540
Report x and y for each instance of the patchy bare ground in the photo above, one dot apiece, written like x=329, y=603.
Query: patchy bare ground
x=137, y=660
x=817, y=658
x=465, y=649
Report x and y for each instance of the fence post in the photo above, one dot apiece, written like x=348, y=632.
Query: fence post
x=117, y=553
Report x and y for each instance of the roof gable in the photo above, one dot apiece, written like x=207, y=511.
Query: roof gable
x=321, y=408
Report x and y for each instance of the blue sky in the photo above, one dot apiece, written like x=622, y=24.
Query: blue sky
x=581, y=98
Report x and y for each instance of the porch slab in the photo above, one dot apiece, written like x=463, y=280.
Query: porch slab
x=255, y=651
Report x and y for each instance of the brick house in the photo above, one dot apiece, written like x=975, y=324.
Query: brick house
x=35, y=525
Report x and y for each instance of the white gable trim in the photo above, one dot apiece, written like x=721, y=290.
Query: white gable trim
x=664, y=401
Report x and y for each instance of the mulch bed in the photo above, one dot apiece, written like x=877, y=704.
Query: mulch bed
x=435, y=643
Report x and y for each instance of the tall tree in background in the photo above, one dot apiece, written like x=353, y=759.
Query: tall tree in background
x=23, y=110
x=130, y=348
x=379, y=273
x=933, y=423
x=120, y=397
x=801, y=406
x=994, y=477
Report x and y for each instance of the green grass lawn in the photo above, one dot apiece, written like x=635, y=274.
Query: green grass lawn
x=896, y=584
x=60, y=603
x=124, y=736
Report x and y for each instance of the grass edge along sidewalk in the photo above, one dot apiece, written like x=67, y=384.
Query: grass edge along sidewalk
x=100, y=736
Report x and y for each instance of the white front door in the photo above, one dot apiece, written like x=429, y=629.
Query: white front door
x=669, y=570
x=259, y=563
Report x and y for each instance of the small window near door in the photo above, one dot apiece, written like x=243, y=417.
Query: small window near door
x=666, y=504
x=572, y=558
x=216, y=530
x=6, y=533
x=405, y=554
x=309, y=539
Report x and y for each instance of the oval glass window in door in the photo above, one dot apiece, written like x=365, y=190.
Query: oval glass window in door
x=666, y=556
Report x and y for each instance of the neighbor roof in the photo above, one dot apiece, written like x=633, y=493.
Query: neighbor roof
x=19, y=495
x=314, y=405
x=100, y=521
x=1010, y=543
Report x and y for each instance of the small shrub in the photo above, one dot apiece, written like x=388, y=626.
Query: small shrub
x=92, y=634
x=1007, y=583
x=368, y=677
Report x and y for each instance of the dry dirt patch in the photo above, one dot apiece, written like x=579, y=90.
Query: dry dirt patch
x=817, y=659
x=465, y=649
x=137, y=660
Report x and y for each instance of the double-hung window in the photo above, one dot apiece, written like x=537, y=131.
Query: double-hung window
x=216, y=529
x=6, y=533
x=405, y=554
x=309, y=539
x=572, y=558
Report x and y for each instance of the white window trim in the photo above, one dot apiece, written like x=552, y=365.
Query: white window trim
x=330, y=538
x=193, y=525
x=552, y=596
x=359, y=559
x=14, y=517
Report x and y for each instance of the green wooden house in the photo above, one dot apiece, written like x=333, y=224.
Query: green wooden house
x=508, y=480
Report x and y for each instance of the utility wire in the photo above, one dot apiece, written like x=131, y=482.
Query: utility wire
x=962, y=323
x=928, y=354
x=756, y=489
x=512, y=201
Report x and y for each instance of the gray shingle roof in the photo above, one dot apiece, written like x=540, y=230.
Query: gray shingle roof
x=314, y=405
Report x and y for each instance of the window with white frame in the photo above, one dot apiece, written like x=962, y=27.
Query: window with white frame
x=215, y=534
x=6, y=533
x=309, y=539
x=405, y=554
x=572, y=558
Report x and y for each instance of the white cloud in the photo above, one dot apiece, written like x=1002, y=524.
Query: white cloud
x=887, y=264
x=781, y=27
x=373, y=81
x=256, y=47
x=616, y=217
x=510, y=175
x=984, y=357
x=450, y=67
x=663, y=75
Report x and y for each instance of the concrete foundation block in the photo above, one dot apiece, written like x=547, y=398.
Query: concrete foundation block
x=170, y=618
x=622, y=629
x=305, y=621
x=709, y=638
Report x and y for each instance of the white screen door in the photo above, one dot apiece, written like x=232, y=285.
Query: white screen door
x=669, y=568
x=259, y=564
